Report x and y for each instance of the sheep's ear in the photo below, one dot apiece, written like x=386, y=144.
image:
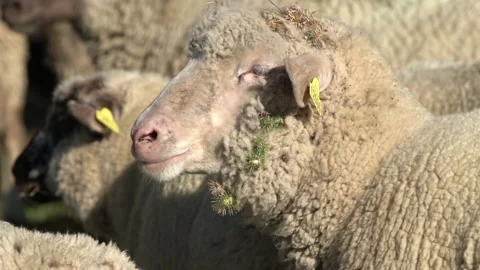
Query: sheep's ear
x=303, y=68
x=87, y=115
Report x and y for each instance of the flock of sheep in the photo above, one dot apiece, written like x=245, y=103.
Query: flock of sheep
x=223, y=157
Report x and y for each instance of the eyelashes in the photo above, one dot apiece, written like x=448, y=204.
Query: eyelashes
x=260, y=70
x=256, y=70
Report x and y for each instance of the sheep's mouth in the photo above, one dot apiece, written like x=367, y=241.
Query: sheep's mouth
x=163, y=164
x=36, y=193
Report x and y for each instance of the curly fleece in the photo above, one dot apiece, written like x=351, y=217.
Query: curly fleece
x=67, y=53
x=24, y=249
x=444, y=87
x=148, y=35
x=407, y=31
x=375, y=182
x=137, y=35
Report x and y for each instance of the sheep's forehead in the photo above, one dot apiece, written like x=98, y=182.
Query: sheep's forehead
x=221, y=33
x=224, y=32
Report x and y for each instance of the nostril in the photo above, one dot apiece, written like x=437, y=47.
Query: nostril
x=156, y=130
x=149, y=137
x=29, y=189
x=17, y=5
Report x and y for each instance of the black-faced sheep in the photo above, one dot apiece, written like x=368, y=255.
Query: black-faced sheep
x=23, y=249
x=162, y=225
x=360, y=175
x=67, y=56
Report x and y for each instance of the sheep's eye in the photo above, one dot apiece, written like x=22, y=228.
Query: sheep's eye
x=260, y=70
x=256, y=70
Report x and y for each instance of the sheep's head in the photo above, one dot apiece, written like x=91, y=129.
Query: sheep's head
x=234, y=56
x=71, y=122
x=28, y=16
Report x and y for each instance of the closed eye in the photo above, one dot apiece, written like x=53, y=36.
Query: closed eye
x=260, y=70
x=257, y=70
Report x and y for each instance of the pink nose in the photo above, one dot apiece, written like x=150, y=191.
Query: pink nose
x=149, y=137
x=145, y=135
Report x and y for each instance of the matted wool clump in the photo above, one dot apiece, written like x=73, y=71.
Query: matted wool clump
x=266, y=149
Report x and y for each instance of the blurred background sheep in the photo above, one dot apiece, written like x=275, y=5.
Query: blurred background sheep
x=82, y=37
x=25, y=89
x=26, y=249
x=13, y=60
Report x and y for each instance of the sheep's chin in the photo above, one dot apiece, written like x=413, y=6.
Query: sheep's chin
x=166, y=173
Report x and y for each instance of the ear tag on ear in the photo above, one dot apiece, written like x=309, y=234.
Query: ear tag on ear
x=105, y=117
x=315, y=95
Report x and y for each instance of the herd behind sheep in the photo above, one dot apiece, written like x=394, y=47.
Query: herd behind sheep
x=225, y=157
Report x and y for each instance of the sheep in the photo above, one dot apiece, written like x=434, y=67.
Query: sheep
x=115, y=35
x=24, y=249
x=12, y=88
x=67, y=54
x=444, y=87
x=411, y=31
x=84, y=36
x=360, y=175
x=105, y=35
x=161, y=225
x=12, y=92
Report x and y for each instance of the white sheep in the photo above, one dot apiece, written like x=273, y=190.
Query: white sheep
x=112, y=35
x=407, y=31
x=151, y=35
x=144, y=35
x=24, y=249
x=309, y=130
x=161, y=225
x=444, y=87
x=66, y=52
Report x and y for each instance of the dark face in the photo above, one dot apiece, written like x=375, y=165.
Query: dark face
x=28, y=16
x=71, y=115
x=31, y=166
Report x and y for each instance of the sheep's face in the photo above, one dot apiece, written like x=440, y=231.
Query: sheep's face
x=233, y=57
x=70, y=122
x=30, y=168
x=28, y=16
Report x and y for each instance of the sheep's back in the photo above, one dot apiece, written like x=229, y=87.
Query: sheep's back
x=422, y=205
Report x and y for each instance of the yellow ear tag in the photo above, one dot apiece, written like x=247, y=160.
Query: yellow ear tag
x=315, y=95
x=105, y=117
